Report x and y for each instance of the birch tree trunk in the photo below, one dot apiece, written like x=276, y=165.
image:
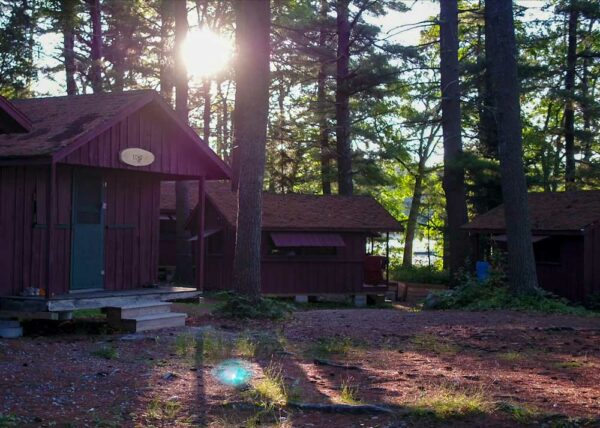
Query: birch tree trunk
x=253, y=20
x=521, y=262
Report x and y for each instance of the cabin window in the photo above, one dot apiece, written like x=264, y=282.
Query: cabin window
x=302, y=251
x=547, y=251
x=305, y=244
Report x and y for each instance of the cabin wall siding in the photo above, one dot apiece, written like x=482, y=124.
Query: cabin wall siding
x=145, y=129
x=130, y=238
x=280, y=275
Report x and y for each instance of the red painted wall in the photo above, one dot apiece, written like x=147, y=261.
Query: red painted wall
x=131, y=229
x=146, y=129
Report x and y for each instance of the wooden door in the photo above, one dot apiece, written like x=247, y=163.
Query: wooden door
x=87, y=261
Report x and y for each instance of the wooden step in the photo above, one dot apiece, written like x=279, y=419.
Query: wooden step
x=137, y=310
x=154, y=321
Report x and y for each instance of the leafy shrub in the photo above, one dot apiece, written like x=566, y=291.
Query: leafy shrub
x=493, y=294
x=593, y=302
x=242, y=307
x=106, y=352
x=420, y=274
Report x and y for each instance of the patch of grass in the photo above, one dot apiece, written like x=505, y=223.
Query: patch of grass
x=495, y=295
x=215, y=346
x=510, y=356
x=245, y=347
x=328, y=346
x=431, y=343
x=241, y=307
x=447, y=403
x=163, y=410
x=572, y=364
x=185, y=345
x=106, y=352
x=521, y=413
x=88, y=313
x=349, y=393
x=8, y=421
x=420, y=274
x=270, y=391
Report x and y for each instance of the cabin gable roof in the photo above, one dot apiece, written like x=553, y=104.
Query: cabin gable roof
x=61, y=125
x=549, y=212
x=295, y=212
x=12, y=120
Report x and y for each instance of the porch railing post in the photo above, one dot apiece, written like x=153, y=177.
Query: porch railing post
x=50, y=205
x=200, y=242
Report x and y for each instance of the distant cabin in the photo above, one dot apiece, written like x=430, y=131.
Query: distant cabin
x=80, y=190
x=565, y=228
x=311, y=244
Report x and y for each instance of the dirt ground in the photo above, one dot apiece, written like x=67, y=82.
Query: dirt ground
x=430, y=368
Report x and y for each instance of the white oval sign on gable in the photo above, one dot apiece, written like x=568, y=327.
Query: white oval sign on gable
x=136, y=157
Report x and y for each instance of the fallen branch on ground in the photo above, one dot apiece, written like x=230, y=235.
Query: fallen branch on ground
x=320, y=362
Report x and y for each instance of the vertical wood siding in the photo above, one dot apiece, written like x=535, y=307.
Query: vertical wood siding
x=146, y=129
x=339, y=274
x=131, y=232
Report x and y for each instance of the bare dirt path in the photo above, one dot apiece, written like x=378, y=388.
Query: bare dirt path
x=445, y=368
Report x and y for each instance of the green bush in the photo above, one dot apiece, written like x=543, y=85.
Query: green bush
x=242, y=307
x=419, y=274
x=493, y=294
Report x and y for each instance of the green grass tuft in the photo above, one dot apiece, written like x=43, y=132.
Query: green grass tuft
x=510, y=356
x=328, y=346
x=185, y=345
x=245, y=347
x=163, y=410
x=447, y=403
x=431, y=343
x=521, y=413
x=572, y=364
x=106, y=352
x=473, y=296
x=8, y=421
x=269, y=391
x=242, y=307
x=349, y=393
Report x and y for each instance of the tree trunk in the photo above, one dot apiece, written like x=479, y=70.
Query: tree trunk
x=322, y=104
x=342, y=101
x=413, y=215
x=68, y=24
x=521, y=262
x=96, y=68
x=251, y=117
x=183, y=268
x=454, y=176
x=569, y=104
x=166, y=51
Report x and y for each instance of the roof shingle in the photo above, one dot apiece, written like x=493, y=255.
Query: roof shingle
x=57, y=122
x=293, y=211
x=549, y=211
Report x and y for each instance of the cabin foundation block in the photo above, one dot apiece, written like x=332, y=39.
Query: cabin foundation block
x=301, y=298
x=360, y=300
x=10, y=329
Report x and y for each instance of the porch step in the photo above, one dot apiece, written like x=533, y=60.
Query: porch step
x=137, y=310
x=154, y=321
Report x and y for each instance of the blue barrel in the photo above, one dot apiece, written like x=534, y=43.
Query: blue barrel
x=483, y=271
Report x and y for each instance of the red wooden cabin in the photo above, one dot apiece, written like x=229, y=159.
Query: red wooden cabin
x=565, y=228
x=80, y=189
x=311, y=244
